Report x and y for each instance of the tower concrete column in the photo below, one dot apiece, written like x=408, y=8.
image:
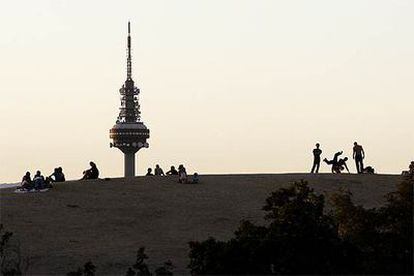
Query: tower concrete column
x=129, y=164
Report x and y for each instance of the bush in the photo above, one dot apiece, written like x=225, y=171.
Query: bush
x=88, y=270
x=11, y=260
x=140, y=268
x=302, y=238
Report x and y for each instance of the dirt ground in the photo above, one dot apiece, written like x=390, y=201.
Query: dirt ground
x=107, y=221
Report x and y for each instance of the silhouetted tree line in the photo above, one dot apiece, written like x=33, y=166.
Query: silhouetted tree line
x=304, y=238
x=139, y=268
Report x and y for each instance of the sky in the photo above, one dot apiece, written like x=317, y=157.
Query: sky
x=227, y=86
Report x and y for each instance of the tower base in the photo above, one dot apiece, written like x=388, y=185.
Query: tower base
x=129, y=164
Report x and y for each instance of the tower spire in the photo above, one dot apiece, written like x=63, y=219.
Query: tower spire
x=129, y=59
x=129, y=134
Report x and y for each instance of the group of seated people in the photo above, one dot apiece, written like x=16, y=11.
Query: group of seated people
x=39, y=182
x=181, y=173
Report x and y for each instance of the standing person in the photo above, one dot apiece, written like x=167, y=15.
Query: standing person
x=316, y=159
x=358, y=156
x=158, y=171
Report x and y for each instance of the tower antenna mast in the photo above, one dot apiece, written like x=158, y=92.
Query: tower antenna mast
x=129, y=134
x=129, y=58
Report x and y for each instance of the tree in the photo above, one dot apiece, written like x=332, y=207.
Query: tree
x=11, y=260
x=301, y=237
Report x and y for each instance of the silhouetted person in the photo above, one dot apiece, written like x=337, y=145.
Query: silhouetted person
x=358, y=155
x=172, y=171
x=182, y=174
x=38, y=181
x=149, y=172
x=368, y=170
x=316, y=159
x=158, y=171
x=92, y=173
x=339, y=167
x=195, y=179
x=334, y=161
x=27, y=181
x=57, y=175
x=411, y=169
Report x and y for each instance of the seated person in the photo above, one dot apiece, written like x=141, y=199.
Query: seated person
x=27, y=182
x=38, y=181
x=92, y=173
x=368, y=170
x=149, y=172
x=182, y=174
x=57, y=175
x=48, y=183
x=195, y=179
x=158, y=171
x=172, y=171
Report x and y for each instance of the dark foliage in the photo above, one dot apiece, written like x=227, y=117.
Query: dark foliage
x=88, y=270
x=140, y=268
x=383, y=237
x=11, y=261
x=165, y=270
x=301, y=238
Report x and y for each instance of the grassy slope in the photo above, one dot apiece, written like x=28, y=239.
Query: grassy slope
x=107, y=221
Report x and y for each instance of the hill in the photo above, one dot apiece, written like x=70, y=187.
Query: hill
x=107, y=221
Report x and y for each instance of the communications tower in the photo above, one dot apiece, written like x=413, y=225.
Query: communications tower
x=129, y=134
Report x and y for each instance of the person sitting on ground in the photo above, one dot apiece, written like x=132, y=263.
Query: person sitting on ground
x=182, y=174
x=411, y=169
x=368, y=170
x=57, y=175
x=172, y=171
x=195, y=178
x=38, y=181
x=333, y=162
x=149, y=172
x=92, y=173
x=27, y=182
x=158, y=171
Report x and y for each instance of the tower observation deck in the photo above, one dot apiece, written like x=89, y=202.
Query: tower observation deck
x=129, y=134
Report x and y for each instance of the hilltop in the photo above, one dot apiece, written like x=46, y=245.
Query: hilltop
x=107, y=221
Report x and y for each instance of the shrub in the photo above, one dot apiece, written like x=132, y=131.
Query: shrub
x=11, y=260
x=302, y=238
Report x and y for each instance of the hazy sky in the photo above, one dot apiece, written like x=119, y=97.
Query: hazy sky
x=227, y=86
